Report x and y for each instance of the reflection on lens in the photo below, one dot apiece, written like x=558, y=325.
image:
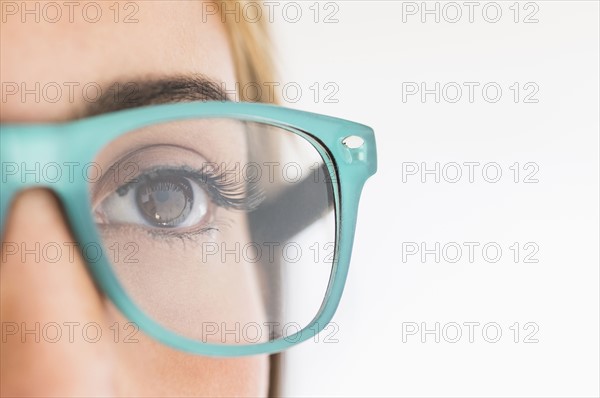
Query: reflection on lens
x=234, y=223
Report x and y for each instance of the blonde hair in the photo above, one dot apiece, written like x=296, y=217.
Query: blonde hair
x=252, y=50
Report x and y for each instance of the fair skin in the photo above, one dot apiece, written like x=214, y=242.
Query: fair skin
x=167, y=41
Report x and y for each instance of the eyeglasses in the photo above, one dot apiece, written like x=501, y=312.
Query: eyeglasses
x=218, y=228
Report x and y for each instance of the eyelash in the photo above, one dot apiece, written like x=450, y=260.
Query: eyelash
x=226, y=193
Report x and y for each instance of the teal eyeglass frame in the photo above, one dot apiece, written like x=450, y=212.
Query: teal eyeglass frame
x=80, y=141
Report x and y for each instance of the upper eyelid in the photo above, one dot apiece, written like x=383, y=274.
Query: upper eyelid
x=225, y=193
x=109, y=180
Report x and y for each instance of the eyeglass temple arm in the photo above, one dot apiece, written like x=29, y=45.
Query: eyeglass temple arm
x=300, y=205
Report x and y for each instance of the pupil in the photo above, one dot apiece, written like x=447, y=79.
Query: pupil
x=165, y=201
x=161, y=196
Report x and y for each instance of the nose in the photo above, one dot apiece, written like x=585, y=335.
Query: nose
x=50, y=310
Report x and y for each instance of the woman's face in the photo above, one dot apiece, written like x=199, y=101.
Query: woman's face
x=36, y=56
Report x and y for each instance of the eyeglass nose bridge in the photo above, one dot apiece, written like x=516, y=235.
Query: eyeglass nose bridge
x=28, y=160
x=27, y=157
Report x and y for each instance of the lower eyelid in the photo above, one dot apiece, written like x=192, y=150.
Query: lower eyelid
x=148, y=239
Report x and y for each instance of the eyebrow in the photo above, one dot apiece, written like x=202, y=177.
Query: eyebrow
x=132, y=94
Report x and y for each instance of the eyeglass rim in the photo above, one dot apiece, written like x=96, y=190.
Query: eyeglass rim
x=81, y=140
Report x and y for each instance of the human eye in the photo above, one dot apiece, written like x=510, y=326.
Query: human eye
x=176, y=200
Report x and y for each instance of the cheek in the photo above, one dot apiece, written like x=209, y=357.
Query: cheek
x=148, y=368
x=199, y=290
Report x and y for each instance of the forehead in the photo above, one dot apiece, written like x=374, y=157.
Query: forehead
x=93, y=44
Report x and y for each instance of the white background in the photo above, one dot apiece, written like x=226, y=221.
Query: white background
x=368, y=54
